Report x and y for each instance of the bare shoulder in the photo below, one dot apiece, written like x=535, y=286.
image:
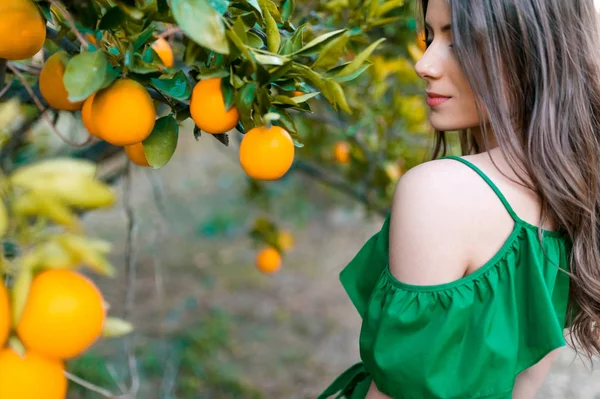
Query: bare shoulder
x=430, y=219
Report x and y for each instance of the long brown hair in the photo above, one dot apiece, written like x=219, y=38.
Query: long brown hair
x=534, y=67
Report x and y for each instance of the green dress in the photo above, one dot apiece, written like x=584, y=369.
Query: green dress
x=465, y=339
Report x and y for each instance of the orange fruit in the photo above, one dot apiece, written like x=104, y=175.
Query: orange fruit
x=298, y=93
x=51, y=83
x=136, y=154
x=31, y=377
x=207, y=107
x=421, y=40
x=22, y=29
x=268, y=260
x=266, y=154
x=86, y=116
x=285, y=240
x=63, y=316
x=341, y=152
x=4, y=314
x=91, y=38
x=164, y=51
x=123, y=113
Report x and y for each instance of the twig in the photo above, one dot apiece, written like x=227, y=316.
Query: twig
x=71, y=23
x=169, y=32
x=114, y=375
x=131, y=277
x=2, y=73
x=3, y=91
x=90, y=386
x=37, y=102
x=337, y=184
x=63, y=42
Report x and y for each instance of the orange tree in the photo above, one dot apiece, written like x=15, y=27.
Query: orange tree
x=324, y=88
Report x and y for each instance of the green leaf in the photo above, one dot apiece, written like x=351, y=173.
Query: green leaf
x=228, y=93
x=143, y=37
x=337, y=94
x=265, y=59
x=305, y=97
x=350, y=77
x=220, y=5
x=273, y=35
x=294, y=44
x=287, y=9
x=254, y=3
x=3, y=219
x=273, y=10
x=254, y=40
x=201, y=23
x=113, y=18
x=114, y=327
x=162, y=142
x=177, y=87
x=85, y=74
x=360, y=59
x=243, y=102
x=317, y=43
x=287, y=122
x=389, y=6
x=332, y=51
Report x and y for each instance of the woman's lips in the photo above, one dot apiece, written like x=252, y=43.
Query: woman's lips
x=434, y=99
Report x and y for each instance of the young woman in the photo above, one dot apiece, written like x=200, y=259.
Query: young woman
x=489, y=262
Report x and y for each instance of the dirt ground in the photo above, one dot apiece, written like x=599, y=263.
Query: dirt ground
x=294, y=331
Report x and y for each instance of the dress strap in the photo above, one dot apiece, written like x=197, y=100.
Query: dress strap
x=489, y=182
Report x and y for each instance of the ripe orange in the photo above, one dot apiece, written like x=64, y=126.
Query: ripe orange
x=164, y=51
x=207, y=108
x=285, y=240
x=123, y=113
x=421, y=40
x=22, y=29
x=51, y=83
x=341, y=152
x=266, y=154
x=268, y=260
x=63, y=316
x=298, y=93
x=4, y=314
x=31, y=377
x=86, y=116
x=136, y=154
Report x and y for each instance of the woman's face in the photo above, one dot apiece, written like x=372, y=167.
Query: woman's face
x=449, y=93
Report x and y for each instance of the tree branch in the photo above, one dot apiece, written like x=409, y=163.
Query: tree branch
x=63, y=42
x=37, y=102
x=89, y=385
x=338, y=184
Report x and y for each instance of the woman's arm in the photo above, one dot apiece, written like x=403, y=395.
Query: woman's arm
x=529, y=381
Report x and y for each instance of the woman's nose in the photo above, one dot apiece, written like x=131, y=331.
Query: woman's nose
x=427, y=68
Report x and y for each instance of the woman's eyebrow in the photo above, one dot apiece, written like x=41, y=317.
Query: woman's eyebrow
x=445, y=28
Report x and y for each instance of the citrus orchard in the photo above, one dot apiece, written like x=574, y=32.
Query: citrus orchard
x=268, y=260
x=63, y=316
x=123, y=113
x=22, y=29
x=31, y=377
x=51, y=83
x=207, y=108
x=266, y=153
